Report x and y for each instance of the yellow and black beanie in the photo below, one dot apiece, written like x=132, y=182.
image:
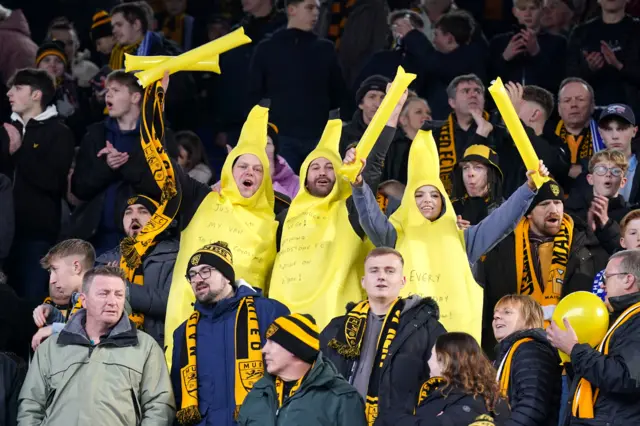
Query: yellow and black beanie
x=217, y=255
x=297, y=333
x=51, y=47
x=101, y=25
x=149, y=203
x=550, y=190
x=483, y=155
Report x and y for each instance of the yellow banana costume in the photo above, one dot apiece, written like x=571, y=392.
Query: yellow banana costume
x=248, y=225
x=436, y=263
x=320, y=261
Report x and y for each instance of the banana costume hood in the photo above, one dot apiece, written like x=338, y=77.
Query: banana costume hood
x=320, y=261
x=247, y=225
x=436, y=263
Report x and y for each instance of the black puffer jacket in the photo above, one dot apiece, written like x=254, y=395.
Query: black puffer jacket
x=535, y=384
x=449, y=407
x=497, y=273
x=617, y=375
x=405, y=369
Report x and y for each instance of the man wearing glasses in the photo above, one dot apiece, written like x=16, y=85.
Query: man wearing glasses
x=606, y=382
x=217, y=352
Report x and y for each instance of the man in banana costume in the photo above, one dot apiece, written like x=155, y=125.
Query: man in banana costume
x=321, y=242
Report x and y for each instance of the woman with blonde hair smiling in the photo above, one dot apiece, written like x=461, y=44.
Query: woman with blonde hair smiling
x=529, y=369
x=462, y=387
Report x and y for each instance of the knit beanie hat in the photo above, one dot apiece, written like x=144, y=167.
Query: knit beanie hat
x=483, y=420
x=272, y=132
x=217, y=255
x=374, y=82
x=51, y=47
x=149, y=203
x=549, y=191
x=298, y=334
x=101, y=25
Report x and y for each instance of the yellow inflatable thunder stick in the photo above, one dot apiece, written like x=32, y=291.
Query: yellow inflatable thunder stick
x=320, y=261
x=370, y=136
x=248, y=225
x=516, y=130
x=188, y=59
x=141, y=63
x=435, y=259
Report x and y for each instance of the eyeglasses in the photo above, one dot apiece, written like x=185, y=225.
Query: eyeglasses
x=606, y=276
x=204, y=273
x=602, y=171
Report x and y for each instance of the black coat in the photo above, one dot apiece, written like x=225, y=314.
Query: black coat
x=299, y=73
x=39, y=169
x=527, y=69
x=497, y=273
x=92, y=176
x=535, y=384
x=7, y=218
x=580, y=199
x=396, y=164
x=617, y=375
x=405, y=369
x=12, y=373
x=448, y=407
x=352, y=131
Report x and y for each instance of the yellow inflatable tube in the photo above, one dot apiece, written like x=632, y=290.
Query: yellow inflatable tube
x=516, y=130
x=142, y=63
x=182, y=62
x=370, y=136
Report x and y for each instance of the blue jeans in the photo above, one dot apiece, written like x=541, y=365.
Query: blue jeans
x=26, y=276
x=564, y=399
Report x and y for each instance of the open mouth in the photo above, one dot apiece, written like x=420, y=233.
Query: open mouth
x=322, y=181
x=109, y=104
x=499, y=326
x=553, y=220
x=136, y=227
x=202, y=287
x=247, y=183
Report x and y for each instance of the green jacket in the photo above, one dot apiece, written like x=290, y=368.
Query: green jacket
x=325, y=398
x=121, y=381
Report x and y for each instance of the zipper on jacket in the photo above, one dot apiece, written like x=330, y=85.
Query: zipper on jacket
x=136, y=407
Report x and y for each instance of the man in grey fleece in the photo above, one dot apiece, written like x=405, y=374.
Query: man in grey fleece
x=479, y=239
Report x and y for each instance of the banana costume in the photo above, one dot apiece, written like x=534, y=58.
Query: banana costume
x=248, y=225
x=436, y=262
x=320, y=261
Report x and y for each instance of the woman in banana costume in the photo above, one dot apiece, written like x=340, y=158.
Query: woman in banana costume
x=438, y=256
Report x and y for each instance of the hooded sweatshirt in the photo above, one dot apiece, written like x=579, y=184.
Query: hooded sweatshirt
x=40, y=168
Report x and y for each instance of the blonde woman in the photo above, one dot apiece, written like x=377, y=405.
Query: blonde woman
x=529, y=370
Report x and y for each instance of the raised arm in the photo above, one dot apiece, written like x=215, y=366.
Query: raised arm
x=374, y=223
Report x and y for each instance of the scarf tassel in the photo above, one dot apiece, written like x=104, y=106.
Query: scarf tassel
x=189, y=416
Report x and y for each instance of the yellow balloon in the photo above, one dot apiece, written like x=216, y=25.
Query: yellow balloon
x=179, y=63
x=141, y=63
x=516, y=130
x=588, y=316
x=370, y=136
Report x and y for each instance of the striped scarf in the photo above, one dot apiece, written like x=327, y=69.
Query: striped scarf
x=340, y=10
x=249, y=367
x=582, y=147
x=116, y=60
x=67, y=311
x=349, y=344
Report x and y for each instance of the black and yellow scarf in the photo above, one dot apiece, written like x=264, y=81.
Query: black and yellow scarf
x=249, y=367
x=340, y=10
x=584, y=400
x=116, y=60
x=173, y=28
x=447, y=151
x=66, y=312
x=581, y=147
x=428, y=388
x=152, y=140
x=137, y=278
x=544, y=290
x=294, y=389
x=504, y=371
x=349, y=344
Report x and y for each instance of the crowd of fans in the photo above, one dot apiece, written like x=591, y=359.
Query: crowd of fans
x=188, y=253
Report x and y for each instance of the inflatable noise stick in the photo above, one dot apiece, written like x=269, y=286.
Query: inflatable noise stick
x=142, y=63
x=516, y=130
x=188, y=59
x=370, y=136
